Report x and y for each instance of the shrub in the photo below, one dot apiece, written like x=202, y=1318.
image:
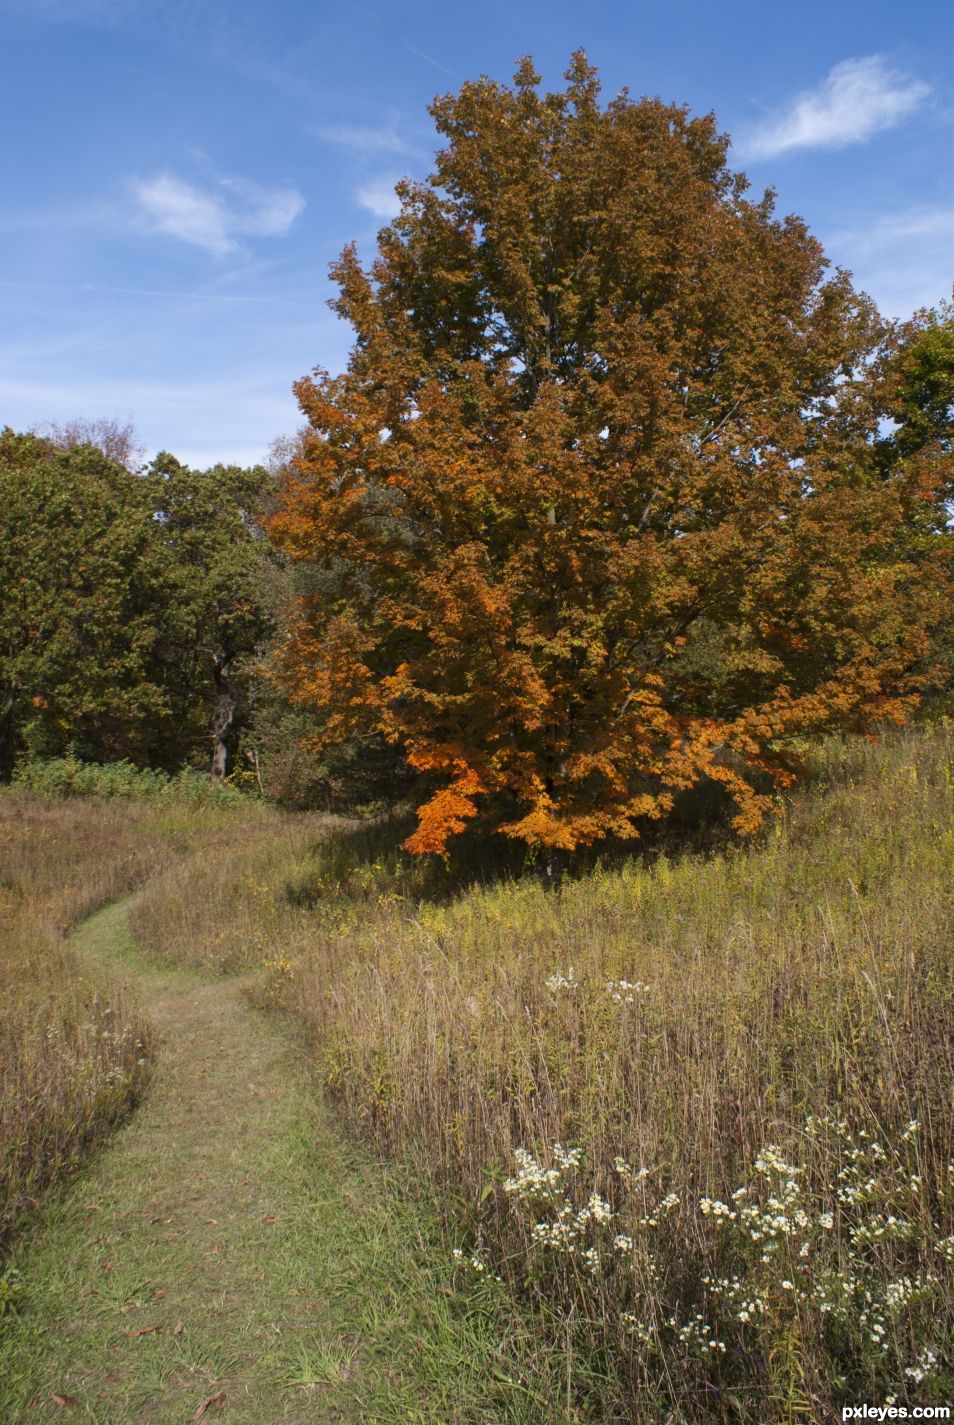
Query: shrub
x=69, y=777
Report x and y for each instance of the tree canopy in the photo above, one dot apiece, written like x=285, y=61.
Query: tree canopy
x=77, y=627
x=915, y=392
x=598, y=499
x=912, y=387
x=131, y=604
x=216, y=613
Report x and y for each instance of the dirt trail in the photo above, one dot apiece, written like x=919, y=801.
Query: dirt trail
x=227, y=1247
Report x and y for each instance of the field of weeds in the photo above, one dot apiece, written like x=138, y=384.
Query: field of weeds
x=73, y=1057
x=697, y=1110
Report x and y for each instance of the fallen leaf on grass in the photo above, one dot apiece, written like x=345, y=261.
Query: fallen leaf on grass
x=214, y=1402
x=143, y=1331
x=63, y=1399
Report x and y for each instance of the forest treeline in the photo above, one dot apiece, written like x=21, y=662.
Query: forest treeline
x=623, y=491
x=137, y=611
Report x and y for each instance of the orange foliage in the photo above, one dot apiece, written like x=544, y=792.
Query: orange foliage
x=596, y=506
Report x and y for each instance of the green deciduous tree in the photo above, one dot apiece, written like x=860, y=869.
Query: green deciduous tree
x=216, y=610
x=130, y=605
x=79, y=625
x=913, y=392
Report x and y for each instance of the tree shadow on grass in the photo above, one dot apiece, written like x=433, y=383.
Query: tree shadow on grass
x=364, y=861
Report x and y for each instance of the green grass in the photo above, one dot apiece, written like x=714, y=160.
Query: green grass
x=279, y=1264
x=74, y=1053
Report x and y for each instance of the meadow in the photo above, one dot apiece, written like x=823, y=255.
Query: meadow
x=74, y=1053
x=690, y=1110
x=693, y=1109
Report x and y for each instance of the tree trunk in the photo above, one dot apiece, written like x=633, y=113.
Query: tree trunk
x=8, y=703
x=223, y=718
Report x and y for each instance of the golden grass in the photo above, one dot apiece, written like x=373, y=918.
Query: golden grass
x=220, y=908
x=73, y=1058
x=792, y=993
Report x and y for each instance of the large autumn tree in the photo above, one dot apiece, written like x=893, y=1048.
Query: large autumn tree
x=597, y=497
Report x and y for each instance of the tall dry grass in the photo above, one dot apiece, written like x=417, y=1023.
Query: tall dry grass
x=74, y=1055
x=223, y=907
x=697, y=1109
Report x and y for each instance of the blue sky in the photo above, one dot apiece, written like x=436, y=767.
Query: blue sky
x=176, y=175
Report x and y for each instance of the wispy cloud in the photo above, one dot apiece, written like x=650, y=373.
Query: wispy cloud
x=363, y=139
x=215, y=218
x=379, y=197
x=203, y=421
x=909, y=230
x=914, y=223
x=858, y=98
x=903, y=258
x=429, y=59
x=93, y=290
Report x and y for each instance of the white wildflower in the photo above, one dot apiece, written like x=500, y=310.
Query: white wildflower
x=925, y=1364
x=558, y=981
x=712, y=1207
x=531, y=1178
x=626, y=991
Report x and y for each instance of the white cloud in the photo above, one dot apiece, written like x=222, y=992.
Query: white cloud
x=429, y=59
x=215, y=219
x=357, y=139
x=263, y=212
x=859, y=97
x=379, y=198
x=177, y=208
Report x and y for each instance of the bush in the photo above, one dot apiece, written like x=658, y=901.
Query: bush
x=69, y=777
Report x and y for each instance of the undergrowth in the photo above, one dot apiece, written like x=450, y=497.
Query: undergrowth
x=57, y=777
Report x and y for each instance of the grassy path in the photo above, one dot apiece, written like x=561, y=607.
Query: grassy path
x=230, y=1247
